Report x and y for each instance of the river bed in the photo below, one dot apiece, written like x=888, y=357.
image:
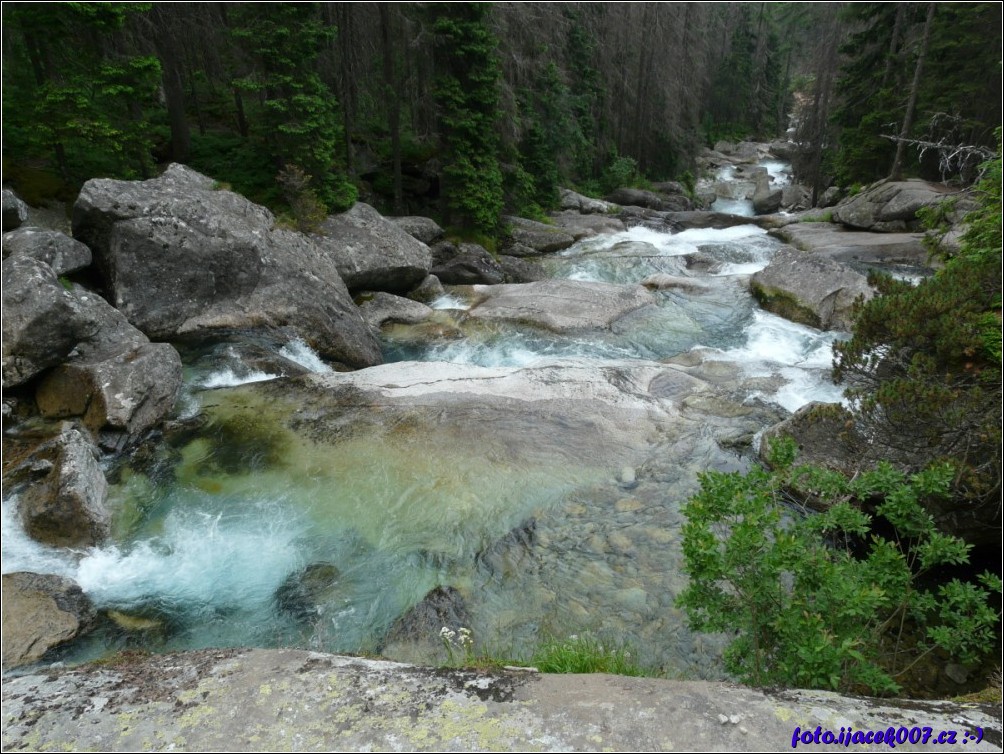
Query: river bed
x=264, y=530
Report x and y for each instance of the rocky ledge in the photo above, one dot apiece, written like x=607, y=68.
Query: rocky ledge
x=284, y=700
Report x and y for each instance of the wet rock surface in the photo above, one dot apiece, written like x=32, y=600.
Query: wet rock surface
x=380, y=308
x=810, y=289
x=560, y=305
x=40, y=612
x=64, y=503
x=253, y=700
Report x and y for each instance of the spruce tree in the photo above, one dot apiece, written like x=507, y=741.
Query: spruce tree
x=467, y=97
x=299, y=117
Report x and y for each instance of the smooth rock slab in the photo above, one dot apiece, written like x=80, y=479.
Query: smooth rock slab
x=561, y=306
x=842, y=245
x=282, y=700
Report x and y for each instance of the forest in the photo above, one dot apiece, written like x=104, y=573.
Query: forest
x=468, y=111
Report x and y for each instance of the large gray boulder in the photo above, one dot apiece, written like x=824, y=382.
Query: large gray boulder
x=42, y=322
x=810, y=289
x=521, y=270
x=380, y=308
x=541, y=237
x=584, y=226
x=570, y=200
x=373, y=252
x=116, y=380
x=64, y=505
x=891, y=206
x=743, y=151
x=795, y=197
x=40, y=611
x=15, y=211
x=423, y=229
x=183, y=259
x=841, y=244
x=560, y=305
x=766, y=198
x=465, y=264
x=650, y=199
x=62, y=253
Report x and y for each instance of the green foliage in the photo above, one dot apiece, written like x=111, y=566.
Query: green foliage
x=299, y=112
x=584, y=654
x=804, y=609
x=307, y=208
x=746, y=86
x=466, y=95
x=958, y=100
x=243, y=164
x=620, y=171
x=74, y=93
x=924, y=363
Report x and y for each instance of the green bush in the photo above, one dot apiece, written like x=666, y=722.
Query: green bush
x=805, y=610
x=924, y=364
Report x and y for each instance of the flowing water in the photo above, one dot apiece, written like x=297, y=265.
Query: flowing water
x=250, y=531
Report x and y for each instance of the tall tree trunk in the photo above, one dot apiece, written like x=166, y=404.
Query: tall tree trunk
x=896, y=173
x=393, y=101
x=897, y=27
x=174, y=89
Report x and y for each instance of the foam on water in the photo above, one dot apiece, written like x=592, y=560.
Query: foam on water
x=300, y=353
x=668, y=244
x=19, y=552
x=206, y=556
x=801, y=355
x=227, y=377
x=449, y=301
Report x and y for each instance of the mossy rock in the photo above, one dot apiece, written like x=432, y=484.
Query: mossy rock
x=247, y=441
x=785, y=305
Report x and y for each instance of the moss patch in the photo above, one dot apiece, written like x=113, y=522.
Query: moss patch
x=785, y=305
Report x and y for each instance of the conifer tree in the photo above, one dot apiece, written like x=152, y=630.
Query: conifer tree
x=466, y=94
x=299, y=118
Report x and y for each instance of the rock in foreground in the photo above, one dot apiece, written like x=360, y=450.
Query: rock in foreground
x=40, y=612
x=279, y=700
